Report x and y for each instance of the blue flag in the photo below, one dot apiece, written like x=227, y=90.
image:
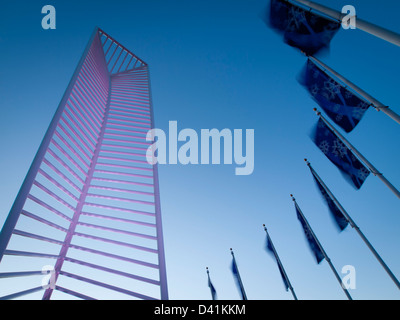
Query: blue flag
x=319, y=256
x=338, y=216
x=271, y=250
x=342, y=106
x=337, y=152
x=212, y=289
x=301, y=29
x=238, y=280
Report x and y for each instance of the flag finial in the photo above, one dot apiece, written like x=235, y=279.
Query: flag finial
x=317, y=112
x=305, y=53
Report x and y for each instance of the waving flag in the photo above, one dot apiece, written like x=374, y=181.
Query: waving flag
x=316, y=246
x=269, y=247
x=341, y=105
x=210, y=285
x=300, y=28
x=338, y=216
x=238, y=280
x=337, y=152
x=319, y=256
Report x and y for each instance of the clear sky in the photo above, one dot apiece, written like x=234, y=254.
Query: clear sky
x=214, y=64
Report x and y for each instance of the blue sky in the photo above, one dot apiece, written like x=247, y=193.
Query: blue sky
x=214, y=64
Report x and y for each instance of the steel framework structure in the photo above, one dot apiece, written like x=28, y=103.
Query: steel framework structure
x=89, y=206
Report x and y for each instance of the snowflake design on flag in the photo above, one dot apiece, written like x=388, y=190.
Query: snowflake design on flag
x=339, y=149
x=324, y=146
x=363, y=173
x=316, y=74
x=313, y=19
x=332, y=88
x=348, y=94
x=321, y=125
x=297, y=18
x=336, y=107
x=314, y=90
x=339, y=117
x=359, y=110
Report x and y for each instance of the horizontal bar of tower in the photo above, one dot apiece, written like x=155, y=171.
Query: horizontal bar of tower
x=104, y=285
x=121, y=273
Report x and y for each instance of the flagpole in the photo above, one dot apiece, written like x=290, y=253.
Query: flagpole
x=238, y=276
x=322, y=249
x=363, y=25
x=280, y=263
x=374, y=171
x=354, y=225
x=375, y=103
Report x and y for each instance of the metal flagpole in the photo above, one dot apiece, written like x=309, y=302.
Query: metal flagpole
x=322, y=249
x=238, y=277
x=374, y=171
x=375, y=103
x=363, y=25
x=280, y=264
x=354, y=226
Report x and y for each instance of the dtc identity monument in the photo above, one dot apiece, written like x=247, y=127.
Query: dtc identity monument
x=86, y=222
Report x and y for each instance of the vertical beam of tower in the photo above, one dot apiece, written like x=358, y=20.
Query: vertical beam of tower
x=160, y=236
x=19, y=202
x=91, y=201
x=82, y=199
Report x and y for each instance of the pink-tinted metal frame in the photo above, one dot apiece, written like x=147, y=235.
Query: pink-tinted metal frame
x=90, y=181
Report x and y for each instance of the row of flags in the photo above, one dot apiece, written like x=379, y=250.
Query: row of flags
x=236, y=276
x=342, y=101
x=341, y=219
x=345, y=104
